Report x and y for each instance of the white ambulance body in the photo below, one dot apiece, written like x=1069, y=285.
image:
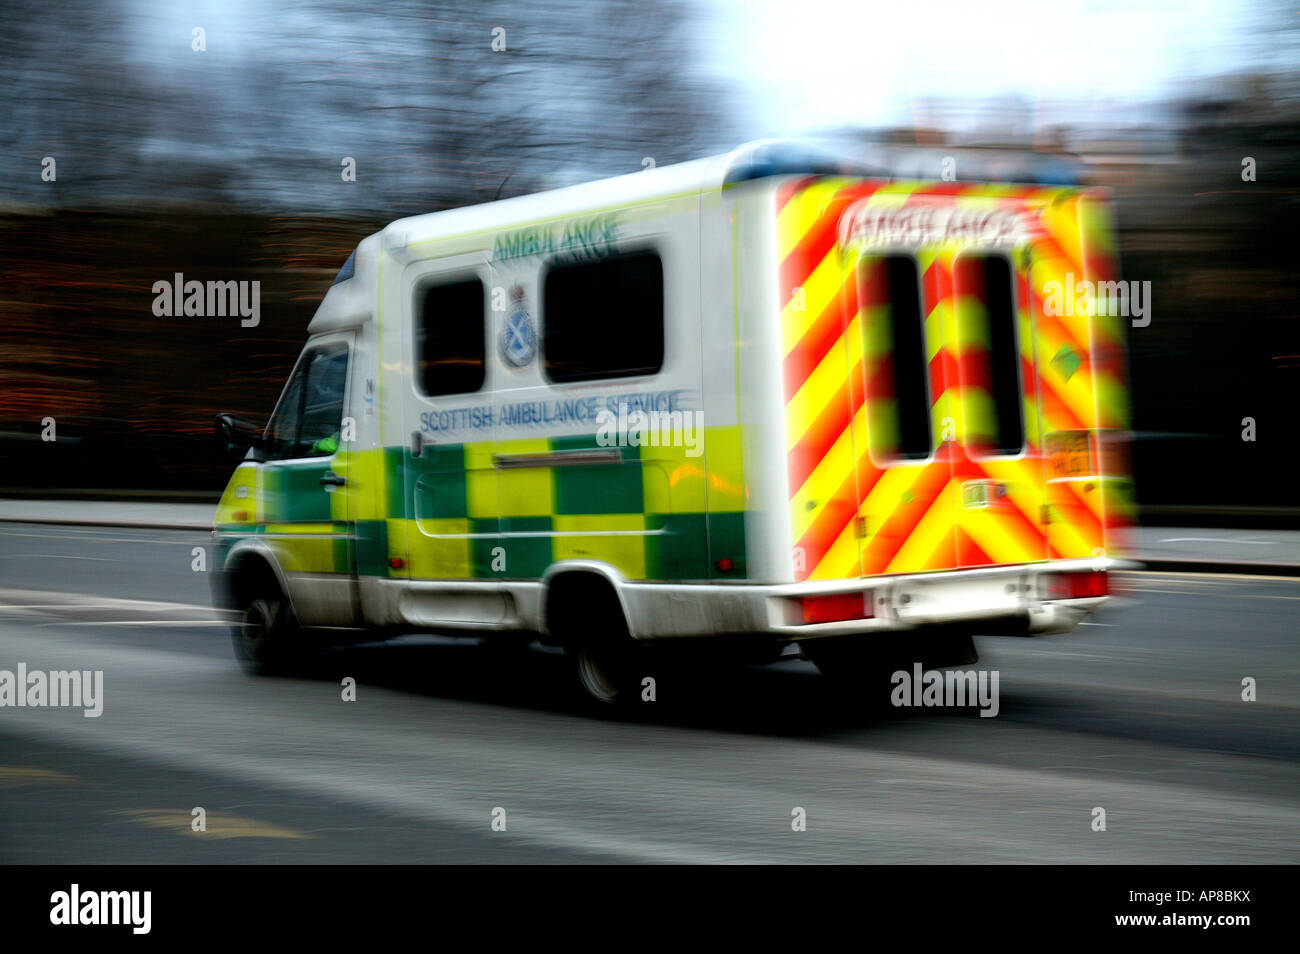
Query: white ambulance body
x=599, y=415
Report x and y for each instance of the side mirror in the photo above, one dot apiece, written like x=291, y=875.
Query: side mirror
x=236, y=435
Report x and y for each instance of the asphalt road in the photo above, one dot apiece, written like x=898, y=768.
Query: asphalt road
x=1139, y=713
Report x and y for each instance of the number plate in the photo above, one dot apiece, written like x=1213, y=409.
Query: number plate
x=1068, y=453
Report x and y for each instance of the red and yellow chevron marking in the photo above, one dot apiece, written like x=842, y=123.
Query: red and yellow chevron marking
x=855, y=509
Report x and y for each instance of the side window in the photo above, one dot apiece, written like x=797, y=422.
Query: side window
x=893, y=343
x=322, y=404
x=309, y=419
x=984, y=291
x=604, y=319
x=282, y=431
x=449, y=337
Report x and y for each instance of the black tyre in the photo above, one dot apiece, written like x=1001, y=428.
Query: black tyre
x=605, y=676
x=586, y=617
x=266, y=635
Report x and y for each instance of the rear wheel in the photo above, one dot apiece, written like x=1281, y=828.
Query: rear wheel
x=587, y=618
x=603, y=676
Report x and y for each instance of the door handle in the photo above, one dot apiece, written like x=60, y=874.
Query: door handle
x=331, y=479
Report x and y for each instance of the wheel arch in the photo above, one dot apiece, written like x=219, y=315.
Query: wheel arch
x=581, y=575
x=249, y=560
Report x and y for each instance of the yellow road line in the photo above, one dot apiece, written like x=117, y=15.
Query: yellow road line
x=19, y=774
x=180, y=820
x=1217, y=576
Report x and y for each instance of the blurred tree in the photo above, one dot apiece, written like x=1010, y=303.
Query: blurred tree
x=439, y=103
x=225, y=162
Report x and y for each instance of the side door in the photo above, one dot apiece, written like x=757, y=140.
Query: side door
x=600, y=442
x=308, y=519
x=449, y=481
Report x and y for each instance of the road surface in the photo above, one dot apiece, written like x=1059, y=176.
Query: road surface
x=1139, y=713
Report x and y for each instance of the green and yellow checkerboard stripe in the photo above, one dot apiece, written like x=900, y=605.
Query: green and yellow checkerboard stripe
x=656, y=514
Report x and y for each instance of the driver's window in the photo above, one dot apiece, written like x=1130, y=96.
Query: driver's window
x=310, y=416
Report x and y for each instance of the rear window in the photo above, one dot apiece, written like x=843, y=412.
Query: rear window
x=604, y=319
x=449, y=337
x=984, y=288
x=898, y=387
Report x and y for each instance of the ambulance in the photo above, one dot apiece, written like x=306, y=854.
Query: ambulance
x=764, y=404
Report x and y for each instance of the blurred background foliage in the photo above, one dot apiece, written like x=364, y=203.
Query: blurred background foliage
x=225, y=165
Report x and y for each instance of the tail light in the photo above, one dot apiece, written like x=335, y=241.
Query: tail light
x=832, y=608
x=1077, y=586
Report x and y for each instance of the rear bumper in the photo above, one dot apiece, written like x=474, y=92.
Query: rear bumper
x=1015, y=600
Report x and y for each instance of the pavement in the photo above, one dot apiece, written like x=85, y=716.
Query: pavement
x=109, y=513
x=1191, y=549
x=1273, y=552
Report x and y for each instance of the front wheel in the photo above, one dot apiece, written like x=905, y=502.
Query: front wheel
x=266, y=635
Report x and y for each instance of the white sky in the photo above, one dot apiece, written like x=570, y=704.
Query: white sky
x=805, y=64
